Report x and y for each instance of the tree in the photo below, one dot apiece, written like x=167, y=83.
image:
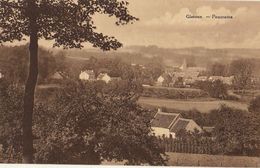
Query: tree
x=218, y=69
x=255, y=105
x=216, y=89
x=154, y=68
x=242, y=69
x=10, y=121
x=167, y=79
x=17, y=73
x=69, y=23
x=89, y=123
x=236, y=131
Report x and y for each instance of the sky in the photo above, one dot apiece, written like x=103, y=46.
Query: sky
x=164, y=23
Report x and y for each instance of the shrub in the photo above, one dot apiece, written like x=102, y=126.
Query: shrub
x=255, y=105
x=216, y=89
x=173, y=93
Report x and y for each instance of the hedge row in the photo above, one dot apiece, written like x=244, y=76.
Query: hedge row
x=173, y=93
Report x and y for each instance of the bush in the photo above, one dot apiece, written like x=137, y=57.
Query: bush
x=10, y=121
x=216, y=89
x=236, y=132
x=255, y=105
x=173, y=93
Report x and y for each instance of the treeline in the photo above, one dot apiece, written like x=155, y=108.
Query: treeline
x=243, y=70
x=14, y=63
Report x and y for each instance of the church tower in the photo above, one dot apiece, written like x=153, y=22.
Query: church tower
x=184, y=65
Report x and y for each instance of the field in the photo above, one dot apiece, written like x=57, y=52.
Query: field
x=183, y=159
x=203, y=106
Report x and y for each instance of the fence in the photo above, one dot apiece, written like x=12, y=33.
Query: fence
x=202, y=146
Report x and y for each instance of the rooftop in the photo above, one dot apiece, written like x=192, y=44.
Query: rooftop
x=179, y=125
x=164, y=120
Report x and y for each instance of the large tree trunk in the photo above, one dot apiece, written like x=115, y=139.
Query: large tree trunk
x=30, y=85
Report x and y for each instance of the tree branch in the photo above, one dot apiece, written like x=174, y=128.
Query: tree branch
x=10, y=4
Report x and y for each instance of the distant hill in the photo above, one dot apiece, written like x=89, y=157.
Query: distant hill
x=195, y=56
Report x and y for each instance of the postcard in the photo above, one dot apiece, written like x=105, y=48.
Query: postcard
x=130, y=83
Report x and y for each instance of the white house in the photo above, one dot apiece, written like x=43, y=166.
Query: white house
x=168, y=124
x=104, y=77
x=225, y=80
x=202, y=78
x=160, y=81
x=87, y=75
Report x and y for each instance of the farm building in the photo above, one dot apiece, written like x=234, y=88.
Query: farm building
x=104, y=77
x=160, y=80
x=168, y=124
x=87, y=75
x=107, y=78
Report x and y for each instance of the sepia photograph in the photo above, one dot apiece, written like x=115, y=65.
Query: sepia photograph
x=130, y=83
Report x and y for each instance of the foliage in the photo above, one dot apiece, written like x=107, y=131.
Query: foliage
x=93, y=123
x=83, y=123
x=236, y=132
x=255, y=105
x=154, y=68
x=114, y=67
x=242, y=69
x=173, y=93
x=218, y=69
x=216, y=89
x=202, y=119
x=68, y=23
x=10, y=121
x=17, y=73
x=167, y=80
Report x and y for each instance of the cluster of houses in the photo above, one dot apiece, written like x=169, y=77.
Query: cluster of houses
x=168, y=124
x=89, y=75
x=187, y=76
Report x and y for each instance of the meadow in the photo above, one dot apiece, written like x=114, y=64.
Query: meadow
x=182, y=159
x=204, y=106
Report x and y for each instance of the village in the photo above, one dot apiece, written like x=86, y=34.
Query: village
x=183, y=101
x=118, y=82
x=164, y=124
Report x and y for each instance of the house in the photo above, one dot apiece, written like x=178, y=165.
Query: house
x=160, y=81
x=168, y=124
x=225, y=80
x=104, y=77
x=57, y=76
x=107, y=78
x=87, y=75
x=164, y=80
